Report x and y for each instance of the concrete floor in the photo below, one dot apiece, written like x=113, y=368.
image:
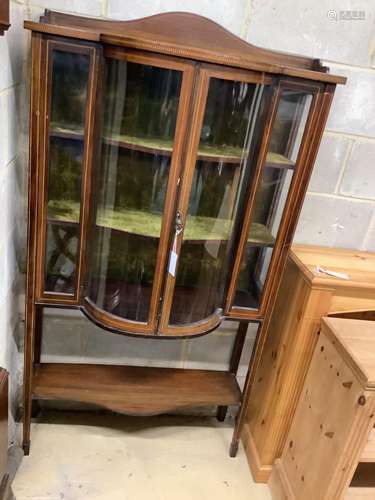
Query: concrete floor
x=108, y=457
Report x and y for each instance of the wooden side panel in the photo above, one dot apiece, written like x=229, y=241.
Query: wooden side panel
x=284, y=324
x=332, y=421
x=290, y=340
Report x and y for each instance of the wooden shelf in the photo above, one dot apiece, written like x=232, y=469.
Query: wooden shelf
x=149, y=224
x=224, y=154
x=135, y=390
x=66, y=133
x=368, y=454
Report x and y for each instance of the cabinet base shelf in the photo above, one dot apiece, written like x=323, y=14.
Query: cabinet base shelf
x=135, y=390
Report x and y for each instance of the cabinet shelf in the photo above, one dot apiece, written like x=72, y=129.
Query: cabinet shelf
x=222, y=154
x=148, y=224
x=135, y=390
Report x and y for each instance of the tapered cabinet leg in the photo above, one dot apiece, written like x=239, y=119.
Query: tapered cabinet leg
x=233, y=368
x=27, y=410
x=26, y=429
x=234, y=447
x=33, y=342
x=241, y=335
x=236, y=433
x=26, y=445
x=221, y=413
x=28, y=375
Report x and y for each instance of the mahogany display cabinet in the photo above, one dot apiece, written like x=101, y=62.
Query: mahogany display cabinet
x=168, y=164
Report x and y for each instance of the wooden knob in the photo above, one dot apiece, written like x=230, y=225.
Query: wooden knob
x=362, y=400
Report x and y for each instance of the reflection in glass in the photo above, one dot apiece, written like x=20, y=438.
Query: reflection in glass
x=141, y=104
x=270, y=200
x=230, y=137
x=68, y=106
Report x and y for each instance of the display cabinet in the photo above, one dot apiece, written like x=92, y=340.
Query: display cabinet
x=168, y=164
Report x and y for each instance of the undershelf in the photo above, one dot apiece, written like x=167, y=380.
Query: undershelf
x=206, y=152
x=198, y=228
x=135, y=390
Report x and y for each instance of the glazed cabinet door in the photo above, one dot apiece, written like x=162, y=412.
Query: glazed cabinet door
x=230, y=115
x=64, y=148
x=145, y=101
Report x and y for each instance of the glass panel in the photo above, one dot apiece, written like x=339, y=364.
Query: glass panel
x=270, y=200
x=69, y=84
x=141, y=104
x=230, y=137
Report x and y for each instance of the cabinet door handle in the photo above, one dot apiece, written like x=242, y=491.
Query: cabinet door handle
x=179, y=225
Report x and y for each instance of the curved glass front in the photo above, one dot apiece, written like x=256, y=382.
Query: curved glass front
x=140, y=113
x=129, y=243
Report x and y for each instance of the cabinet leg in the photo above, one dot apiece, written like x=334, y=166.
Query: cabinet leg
x=234, y=447
x=236, y=433
x=238, y=347
x=32, y=324
x=26, y=447
x=245, y=394
x=221, y=413
x=26, y=420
